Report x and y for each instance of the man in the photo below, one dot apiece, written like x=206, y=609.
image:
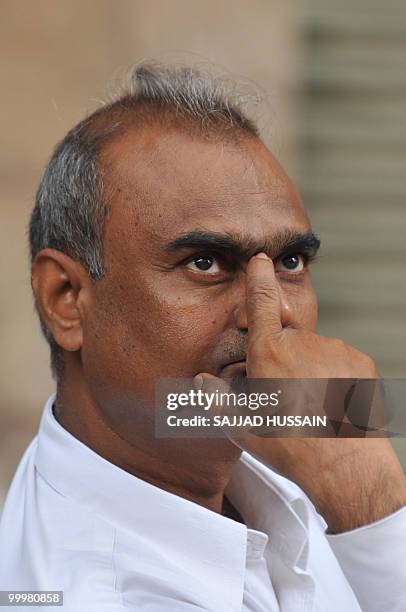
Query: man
x=167, y=242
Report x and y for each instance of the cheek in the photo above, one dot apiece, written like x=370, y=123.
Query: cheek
x=312, y=313
x=190, y=325
x=303, y=303
x=154, y=331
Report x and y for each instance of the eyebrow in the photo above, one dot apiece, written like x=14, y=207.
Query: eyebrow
x=282, y=242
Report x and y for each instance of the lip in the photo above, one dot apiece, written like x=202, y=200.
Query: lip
x=237, y=368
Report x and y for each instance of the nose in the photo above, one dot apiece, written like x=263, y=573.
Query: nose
x=287, y=314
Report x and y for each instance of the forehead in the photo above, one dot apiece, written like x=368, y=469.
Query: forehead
x=165, y=183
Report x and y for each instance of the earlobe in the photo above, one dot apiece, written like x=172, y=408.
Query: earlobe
x=57, y=283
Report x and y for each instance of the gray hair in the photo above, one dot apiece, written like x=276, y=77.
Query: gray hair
x=71, y=203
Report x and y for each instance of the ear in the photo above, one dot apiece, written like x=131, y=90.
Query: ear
x=58, y=283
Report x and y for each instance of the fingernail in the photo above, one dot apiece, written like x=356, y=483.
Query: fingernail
x=262, y=256
x=198, y=382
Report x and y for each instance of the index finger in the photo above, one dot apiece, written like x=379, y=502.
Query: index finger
x=263, y=298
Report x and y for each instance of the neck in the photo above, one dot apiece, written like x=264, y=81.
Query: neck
x=196, y=469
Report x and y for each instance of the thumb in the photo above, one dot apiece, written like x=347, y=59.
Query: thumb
x=225, y=404
x=263, y=298
x=213, y=389
x=209, y=383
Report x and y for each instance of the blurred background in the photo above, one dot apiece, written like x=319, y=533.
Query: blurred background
x=335, y=77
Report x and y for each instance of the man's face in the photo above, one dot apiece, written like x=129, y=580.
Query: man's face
x=186, y=216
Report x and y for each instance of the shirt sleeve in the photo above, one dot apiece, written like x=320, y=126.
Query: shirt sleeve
x=373, y=559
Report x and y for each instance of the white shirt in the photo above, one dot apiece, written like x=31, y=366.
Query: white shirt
x=77, y=523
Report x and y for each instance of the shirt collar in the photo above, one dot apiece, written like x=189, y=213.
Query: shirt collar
x=274, y=505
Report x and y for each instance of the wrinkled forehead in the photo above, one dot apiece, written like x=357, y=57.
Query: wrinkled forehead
x=164, y=183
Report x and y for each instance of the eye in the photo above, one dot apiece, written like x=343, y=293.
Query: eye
x=294, y=263
x=204, y=263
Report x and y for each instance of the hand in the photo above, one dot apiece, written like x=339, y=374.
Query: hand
x=352, y=482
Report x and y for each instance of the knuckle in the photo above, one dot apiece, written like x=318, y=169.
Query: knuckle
x=261, y=293
x=261, y=301
x=369, y=363
x=340, y=345
x=365, y=365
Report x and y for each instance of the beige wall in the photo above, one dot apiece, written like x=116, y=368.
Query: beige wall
x=352, y=140
x=56, y=59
